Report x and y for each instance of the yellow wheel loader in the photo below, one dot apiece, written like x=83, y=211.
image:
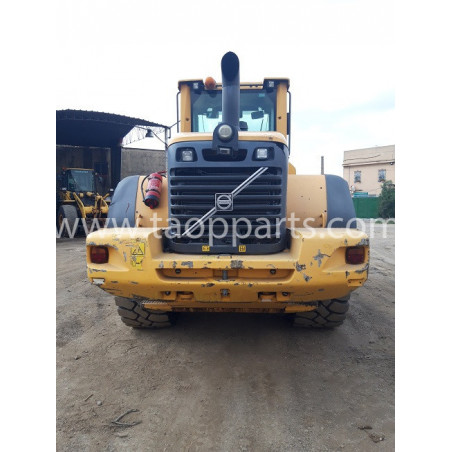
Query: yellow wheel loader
x=78, y=200
x=231, y=227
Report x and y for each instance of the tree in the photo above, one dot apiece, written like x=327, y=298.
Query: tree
x=386, y=207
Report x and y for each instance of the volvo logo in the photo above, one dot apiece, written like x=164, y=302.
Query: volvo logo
x=223, y=201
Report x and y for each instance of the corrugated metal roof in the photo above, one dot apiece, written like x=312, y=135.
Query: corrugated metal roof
x=93, y=128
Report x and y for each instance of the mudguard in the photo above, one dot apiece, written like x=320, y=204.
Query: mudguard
x=123, y=203
x=340, y=208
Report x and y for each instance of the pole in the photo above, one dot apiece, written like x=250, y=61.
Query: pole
x=322, y=170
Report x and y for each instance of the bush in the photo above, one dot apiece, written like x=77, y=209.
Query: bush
x=386, y=208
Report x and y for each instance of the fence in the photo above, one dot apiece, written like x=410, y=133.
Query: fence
x=366, y=207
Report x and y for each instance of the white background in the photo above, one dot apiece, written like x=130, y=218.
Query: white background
x=281, y=36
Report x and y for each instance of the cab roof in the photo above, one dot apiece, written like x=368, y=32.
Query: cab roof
x=270, y=136
x=252, y=85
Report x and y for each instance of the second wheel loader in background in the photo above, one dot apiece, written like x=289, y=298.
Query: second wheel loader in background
x=78, y=199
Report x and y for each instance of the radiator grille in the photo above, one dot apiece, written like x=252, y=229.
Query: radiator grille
x=192, y=194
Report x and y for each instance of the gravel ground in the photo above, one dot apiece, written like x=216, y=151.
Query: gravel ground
x=225, y=382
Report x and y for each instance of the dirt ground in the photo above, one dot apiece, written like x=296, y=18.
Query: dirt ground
x=224, y=382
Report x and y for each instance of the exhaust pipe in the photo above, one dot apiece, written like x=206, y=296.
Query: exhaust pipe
x=231, y=88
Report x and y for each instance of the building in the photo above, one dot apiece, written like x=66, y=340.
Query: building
x=365, y=170
x=94, y=140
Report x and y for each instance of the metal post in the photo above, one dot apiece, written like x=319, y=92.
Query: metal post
x=166, y=137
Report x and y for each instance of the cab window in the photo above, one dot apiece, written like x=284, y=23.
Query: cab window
x=79, y=180
x=257, y=110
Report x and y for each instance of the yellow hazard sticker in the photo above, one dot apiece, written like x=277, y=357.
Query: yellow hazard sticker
x=137, y=262
x=242, y=248
x=206, y=248
x=138, y=249
x=137, y=252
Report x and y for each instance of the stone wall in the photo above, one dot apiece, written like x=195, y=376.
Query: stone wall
x=142, y=161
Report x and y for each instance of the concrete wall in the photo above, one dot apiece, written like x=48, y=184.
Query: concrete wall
x=133, y=161
x=369, y=161
x=141, y=161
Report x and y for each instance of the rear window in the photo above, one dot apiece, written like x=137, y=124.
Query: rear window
x=257, y=110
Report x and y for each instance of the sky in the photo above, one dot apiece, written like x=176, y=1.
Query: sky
x=127, y=57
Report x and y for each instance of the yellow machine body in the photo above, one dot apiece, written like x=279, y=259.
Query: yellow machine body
x=99, y=209
x=312, y=268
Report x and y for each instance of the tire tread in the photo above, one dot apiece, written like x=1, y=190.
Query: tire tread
x=133, y=314
x=329, y=314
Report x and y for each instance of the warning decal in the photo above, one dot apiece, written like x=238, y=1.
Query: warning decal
x=138, y=249
x=137, y=262
x=137, y=252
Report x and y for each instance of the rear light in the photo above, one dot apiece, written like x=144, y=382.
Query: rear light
x=99, y=254
x=355, y=255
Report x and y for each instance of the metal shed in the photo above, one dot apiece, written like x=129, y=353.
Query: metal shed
x=92, y=139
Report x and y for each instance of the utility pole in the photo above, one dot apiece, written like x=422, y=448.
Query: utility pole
x=322, y=170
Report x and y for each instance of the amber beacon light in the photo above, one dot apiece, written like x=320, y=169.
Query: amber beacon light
x=210, y=83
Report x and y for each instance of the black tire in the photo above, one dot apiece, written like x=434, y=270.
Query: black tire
x=70, y=213
x=132, y=314
x=329, y=314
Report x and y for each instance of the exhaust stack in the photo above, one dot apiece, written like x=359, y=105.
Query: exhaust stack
x=231, y=89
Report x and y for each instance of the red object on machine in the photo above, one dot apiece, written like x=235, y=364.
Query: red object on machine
x=153, y=190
